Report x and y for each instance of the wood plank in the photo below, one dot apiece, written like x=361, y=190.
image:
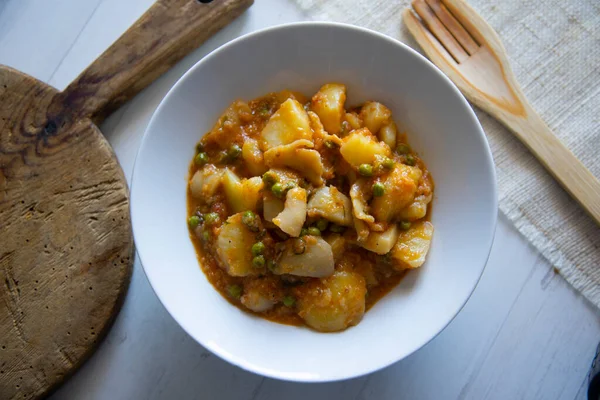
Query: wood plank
x=101, y=30
x=147, y=355
x=548, y=342
x=36, y=35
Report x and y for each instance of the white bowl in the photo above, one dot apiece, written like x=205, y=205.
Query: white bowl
x=442, y=128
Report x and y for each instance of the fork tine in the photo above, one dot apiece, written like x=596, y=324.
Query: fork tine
x=425, y=38
x=439, y=31
x=455, y=28
x=464, y=13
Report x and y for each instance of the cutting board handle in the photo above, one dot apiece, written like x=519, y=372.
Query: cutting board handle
x=167, y=32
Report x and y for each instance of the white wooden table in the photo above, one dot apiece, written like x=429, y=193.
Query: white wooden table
x=525, y=333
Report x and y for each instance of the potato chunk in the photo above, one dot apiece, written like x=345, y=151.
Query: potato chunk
x=257, y=301
x=232, y=186
x=285, y=176
x=262, y=294
x=288, y=124
x=329, y=203
x=253, y=157
x=358, y=194
x=375, y=115
x=319, y=135
x=328, y=104
x=251, y=192
x=381, y=242
x=415, y=210
x=387, y=134
x=354, y=121
x=206, y=181
x=418, y=208
x=316, y=259
x=334, y=303
x=361, y=227
x=337, y=243
x=291, y=219
x=272, y=206
x=234, y=247
x=242, y=194
x=306, y=161
x=400, y=188
x=412, y=246
x=361, y=147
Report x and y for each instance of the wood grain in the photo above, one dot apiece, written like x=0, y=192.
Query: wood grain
x=66, y=249
x=487, y=80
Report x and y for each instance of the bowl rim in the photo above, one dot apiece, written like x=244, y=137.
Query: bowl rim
x=241, y=361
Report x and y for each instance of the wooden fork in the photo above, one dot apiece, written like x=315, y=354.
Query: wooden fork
x=469, y=52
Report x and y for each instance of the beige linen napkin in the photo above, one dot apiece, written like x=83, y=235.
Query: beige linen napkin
x=554, y=49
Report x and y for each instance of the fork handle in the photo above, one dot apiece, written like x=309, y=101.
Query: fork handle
x=566, y=168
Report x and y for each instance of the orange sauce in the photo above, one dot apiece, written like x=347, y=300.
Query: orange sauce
x=380, y=276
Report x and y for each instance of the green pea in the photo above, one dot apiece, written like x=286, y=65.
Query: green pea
x=303, y=232
x=201, y=159
x=405, y=225
x=234, y=152
x=337, y=228
x=269, y=178
x=365, y=170
x=410, y=160
x=388, y=163
x=249, y=219
x=205, y=235
x=289, y=301
x=277, y=189
x=258, y=248
x=235, y=291
x=259, y=261
x=322, y=224
x=403, y=148
x=271, y=265
x=194, y=221
x=211, y=218
x=199, y=147
x=314, y=231
x=378, y=189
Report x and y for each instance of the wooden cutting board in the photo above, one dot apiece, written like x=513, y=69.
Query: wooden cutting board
x=66, y=248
